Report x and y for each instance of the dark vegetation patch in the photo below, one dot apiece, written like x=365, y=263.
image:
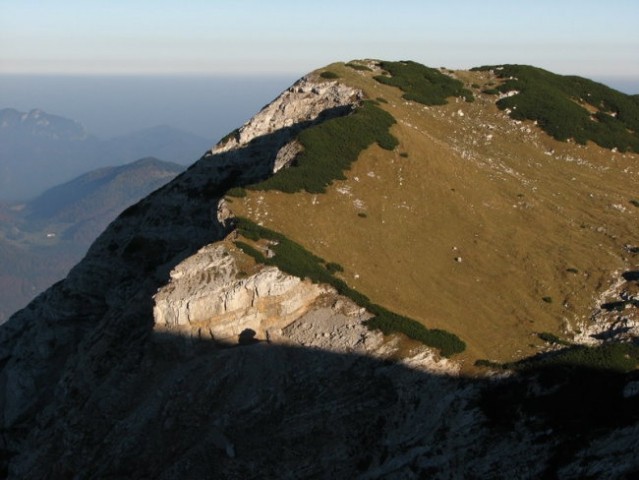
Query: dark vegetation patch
x=357, y=66
x=333, y=267
x=251, y=252
x=631, y=276
x=616, y=357
x=490, y=91
x=328, y=74
x=618, y=306
x=238, y=192
x=556, y=103
x=635, y=202
x=330, y=148
x=488, y=363
x=611, y=357
x=547, y=299
x=552, y=338
x=294, y=259
x=422, y=84
x=390, y=322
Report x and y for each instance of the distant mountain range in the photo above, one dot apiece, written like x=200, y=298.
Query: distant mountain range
x=42, y=239
x=39, y=150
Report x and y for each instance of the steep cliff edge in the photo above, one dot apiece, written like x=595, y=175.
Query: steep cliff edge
x=105, y=301
x=172, y=352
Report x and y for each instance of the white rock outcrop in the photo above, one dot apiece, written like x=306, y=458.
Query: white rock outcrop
x=303, y=102
x=208, y=297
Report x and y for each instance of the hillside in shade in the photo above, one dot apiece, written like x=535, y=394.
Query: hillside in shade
x=42, y=239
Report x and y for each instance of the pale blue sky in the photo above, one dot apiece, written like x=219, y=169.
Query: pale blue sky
x=584, y=37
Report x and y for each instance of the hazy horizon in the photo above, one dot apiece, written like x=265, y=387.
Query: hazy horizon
x=109, y=106
x=207, y=106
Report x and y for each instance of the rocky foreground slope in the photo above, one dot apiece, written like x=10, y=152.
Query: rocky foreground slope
x=177, y=349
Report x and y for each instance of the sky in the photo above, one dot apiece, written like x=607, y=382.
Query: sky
x=206, y=66
x=591, y=38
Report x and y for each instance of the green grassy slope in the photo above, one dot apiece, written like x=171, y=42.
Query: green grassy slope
x=475, y=223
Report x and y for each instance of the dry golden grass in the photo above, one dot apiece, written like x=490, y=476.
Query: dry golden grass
x=517, y=207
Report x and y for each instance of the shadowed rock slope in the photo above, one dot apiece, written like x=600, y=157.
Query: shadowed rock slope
x=41, y=240
x=184, y=347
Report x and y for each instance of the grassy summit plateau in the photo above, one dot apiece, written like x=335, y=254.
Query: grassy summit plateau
x=493, y=204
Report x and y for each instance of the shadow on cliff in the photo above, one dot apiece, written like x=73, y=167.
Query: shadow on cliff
x=174, y=407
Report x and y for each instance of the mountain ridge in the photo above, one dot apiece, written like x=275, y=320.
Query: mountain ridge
x=485, y=146
x=172, y=328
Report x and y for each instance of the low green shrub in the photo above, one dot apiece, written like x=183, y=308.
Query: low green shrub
x=251, y=252
x=333, y=267
x=635, y=202
x=552, y=338
x=390, y=322
x=616, y=357
x=555, y=103
x=330, y=148
x=488, y=363
x=422, y=84
x=329, y=75
x=357, y=66
x=237, y=192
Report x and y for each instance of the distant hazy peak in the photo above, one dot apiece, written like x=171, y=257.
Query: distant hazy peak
x=38, y=122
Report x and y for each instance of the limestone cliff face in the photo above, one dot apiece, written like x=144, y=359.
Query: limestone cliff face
x=207, y=298
x=131, y=368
